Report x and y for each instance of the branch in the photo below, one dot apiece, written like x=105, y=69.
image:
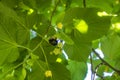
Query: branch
x=118, y=71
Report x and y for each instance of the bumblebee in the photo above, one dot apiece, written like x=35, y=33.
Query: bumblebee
x=53, y=41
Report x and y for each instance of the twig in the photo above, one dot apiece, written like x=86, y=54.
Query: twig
x=51, y=17
x=100, y=76
x=84, y=3
x=53, y=12
x=46, y=60
x=118, y=71
x=96, y=68
x=91, y=67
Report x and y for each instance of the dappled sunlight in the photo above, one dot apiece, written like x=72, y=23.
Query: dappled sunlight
x=30, y=11
x=59, y=60
x=82, y=26
x=116, y=26
x=34, y=27
x=103, y=13
x=59, y=25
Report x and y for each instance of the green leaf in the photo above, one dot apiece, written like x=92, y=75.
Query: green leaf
x=82, y=28
x=40, y=5
x=95, y=43
x=116, y=8
x=58, y=18
x=110, y=78
x=78, y=70
x=60, y=72
x=37, y=71
x=77, y=3
x=8, y=72
x=117, y=63
x=20, y=74
x=10, y=3
x=6, y=11
x=8, y=50
x=101, y=70
x=110, y=46
x=41, y=24
x=96, y=62
x=76, y=22
x=106, y=5
x=111, y=49
x=96, y=26
x=80, y=50
x=32, y=19
x=10, y=29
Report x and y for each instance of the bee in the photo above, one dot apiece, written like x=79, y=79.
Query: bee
x=53, y=41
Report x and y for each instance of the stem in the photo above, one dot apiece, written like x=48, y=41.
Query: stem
x=84, y=3
x=38, y=45
x=53, y=12
x=44, y=56
x=51, y=17
x=24, y=47
x=118, y=71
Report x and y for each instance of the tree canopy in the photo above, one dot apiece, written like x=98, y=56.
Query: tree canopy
x=56, y=39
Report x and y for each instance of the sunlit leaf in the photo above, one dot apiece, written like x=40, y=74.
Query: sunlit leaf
x=81, y=26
